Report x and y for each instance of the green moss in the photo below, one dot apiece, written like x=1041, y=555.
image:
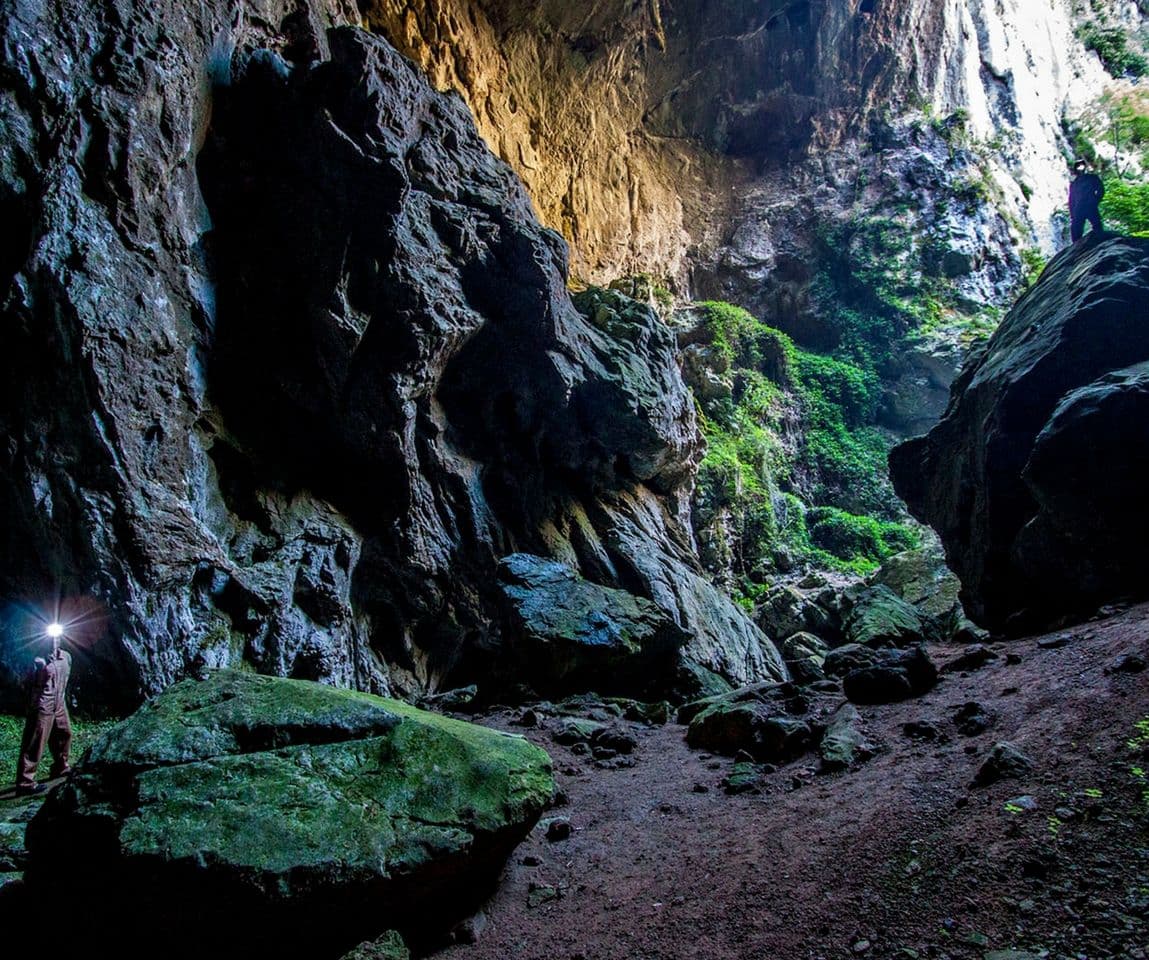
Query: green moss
x=745, y=341
x=271, y=777
x=856, y=542
x=840, y=460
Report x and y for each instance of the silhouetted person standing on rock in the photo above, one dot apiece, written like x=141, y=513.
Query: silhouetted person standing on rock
x=48, y=722
x=1085, y=193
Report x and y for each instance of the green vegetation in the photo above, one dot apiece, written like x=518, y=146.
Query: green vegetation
x=1125, y=206
x=1033, y=261
x=841, y=461
x=860, y=539
x=1139, y=745
x=1112, y=45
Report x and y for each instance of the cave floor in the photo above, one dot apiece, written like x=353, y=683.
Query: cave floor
x=901, y=857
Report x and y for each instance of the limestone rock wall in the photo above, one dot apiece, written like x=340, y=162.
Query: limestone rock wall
x=289, y=365
x=648, y=133
x=1033, y=478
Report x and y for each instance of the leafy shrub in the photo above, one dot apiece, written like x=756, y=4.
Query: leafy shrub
x=858, y=539
x=1112, y=45
x=1125, y=206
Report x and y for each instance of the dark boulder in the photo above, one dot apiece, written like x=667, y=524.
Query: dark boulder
x=570, y=634
x=1034, y=479
x=882, y=675
x=767, y=721
x=1005, y=762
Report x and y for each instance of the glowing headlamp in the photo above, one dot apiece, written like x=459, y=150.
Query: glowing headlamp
x=55, y=631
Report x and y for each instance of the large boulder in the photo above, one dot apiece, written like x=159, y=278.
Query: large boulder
x=921, y=578
x=245, y=811
x=1034, y=478
x=881, y=675
x=768, y=721
x=571, y=634
x=880, y=618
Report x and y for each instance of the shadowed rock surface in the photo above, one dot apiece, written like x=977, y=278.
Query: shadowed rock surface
x=571, y=634
x=244, y=812
x=291, y=366
x=1034, y=479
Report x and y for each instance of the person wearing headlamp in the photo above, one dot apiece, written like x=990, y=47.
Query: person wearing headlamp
x=48, y=723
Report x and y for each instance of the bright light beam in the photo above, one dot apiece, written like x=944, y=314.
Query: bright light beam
x=55, y=631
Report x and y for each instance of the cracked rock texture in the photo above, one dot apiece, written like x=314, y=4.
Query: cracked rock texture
x=290, y=365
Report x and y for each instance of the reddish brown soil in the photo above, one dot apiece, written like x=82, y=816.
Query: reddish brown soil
x=901, y=852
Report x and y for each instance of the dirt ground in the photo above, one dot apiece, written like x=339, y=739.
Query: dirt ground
x=900, y=857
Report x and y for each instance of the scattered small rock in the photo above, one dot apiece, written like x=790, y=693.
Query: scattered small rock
x=530, y=860
x=1127, y=663
x=390, y=946
x=528, y=718
x=1012, y=659
x=972, y=718
x=471, y=929
x=744, y=778
x=557, y=828
x=1054, y=642
x=1010, y=955
x=540, y=893
x=701, y=788
x=924, y=730
x=1005, y=762
x=1024, y=803
x=861, y=946
x=975, y=657
x=616, y=763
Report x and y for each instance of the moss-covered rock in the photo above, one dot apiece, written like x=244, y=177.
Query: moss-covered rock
x=805, y=655
x=279, y=800
x=390, y=946
x=571, y=634
x=880, y=618
x=765, y=720
x=845, y=741
x=921, y=578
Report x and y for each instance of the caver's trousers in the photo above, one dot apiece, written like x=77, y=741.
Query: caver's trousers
x=50, y=728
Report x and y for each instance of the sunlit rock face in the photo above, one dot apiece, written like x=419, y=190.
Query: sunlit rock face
x=287, y=402
x=677, y=139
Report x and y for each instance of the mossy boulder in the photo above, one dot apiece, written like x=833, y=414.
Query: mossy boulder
x=766, y=720
x=390, y=946
x=302, y=814
x=570, y=634
x=845, y=742
x=805, y=655
x=881, y=618
x=921, y=578
x=788, y=610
